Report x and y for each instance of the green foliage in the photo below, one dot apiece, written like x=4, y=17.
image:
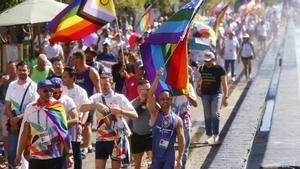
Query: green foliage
x=126, y=8
x=271, y=2
x=4, y=4
x=166, y=7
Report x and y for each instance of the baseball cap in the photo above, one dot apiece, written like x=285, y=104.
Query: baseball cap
x=44, y=83
x=138, y=64
x=246, y=35
x=91, y=50
x=56, y=82
x=208, y=56
x=106, y=42
x=43, y=57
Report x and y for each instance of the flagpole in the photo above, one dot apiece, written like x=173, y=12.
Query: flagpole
x=118, y=29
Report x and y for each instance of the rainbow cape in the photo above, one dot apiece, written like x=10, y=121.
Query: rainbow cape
x=219, y=19
x=145, y=21
x=167, y=48
x=81, y=18
x=56, y=112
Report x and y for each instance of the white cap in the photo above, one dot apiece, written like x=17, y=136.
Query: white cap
x=208, y=56
x=246, y=35
x=43, y=57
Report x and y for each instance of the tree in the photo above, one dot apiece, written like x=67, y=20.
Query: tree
x=165, y=7
x=129, y=8
x=8, y=3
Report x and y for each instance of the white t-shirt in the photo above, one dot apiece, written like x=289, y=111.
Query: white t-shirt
x=246, y=50
x=15, y=94
x=112, y=100
x=78, y=94
x=40, y=123
x=262, y=30
x=68, y=103
x=230, y=48
x=181, y=106
x=54, y=51
x=178, y=100
x=43, y=40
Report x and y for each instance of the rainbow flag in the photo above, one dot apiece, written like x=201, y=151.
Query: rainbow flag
x=203, y=22
x=167, y=48
x=145, y=21
x=217, y=8
x=81, y=18
x=219, y=19
x=56, y=112
x=241, y=24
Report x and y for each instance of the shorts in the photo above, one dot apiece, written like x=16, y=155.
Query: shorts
x=90, y=118
x=104, y=150
x=167, y=163
x=55, y=163
x=247, y=58
x=262, y=38
x=141, y=143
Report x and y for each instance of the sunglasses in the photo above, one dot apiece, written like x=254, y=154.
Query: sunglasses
x=50, y=90
x=57, y=92
x=165, y=98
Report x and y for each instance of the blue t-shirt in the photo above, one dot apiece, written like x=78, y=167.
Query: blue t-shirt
x=107, y=57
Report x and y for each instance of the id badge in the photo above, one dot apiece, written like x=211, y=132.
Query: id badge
x=45, y=138
x=163, y=143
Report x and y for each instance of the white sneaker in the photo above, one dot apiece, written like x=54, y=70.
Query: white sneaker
x=207, y=139
x=211, y=140
x=233, y=79
x=216, y=137
x=84, y=150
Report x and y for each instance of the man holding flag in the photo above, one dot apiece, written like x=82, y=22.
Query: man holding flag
x=166, y=50
x=167, y=126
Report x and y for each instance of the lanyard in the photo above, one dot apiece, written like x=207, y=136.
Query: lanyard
x=38, y=118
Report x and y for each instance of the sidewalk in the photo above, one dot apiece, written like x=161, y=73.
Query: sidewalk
x=282, y=142
x=237, y=143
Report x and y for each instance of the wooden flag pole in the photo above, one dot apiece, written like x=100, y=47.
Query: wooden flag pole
x=118, y=30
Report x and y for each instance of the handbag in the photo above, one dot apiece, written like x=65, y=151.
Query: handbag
x=8, y=126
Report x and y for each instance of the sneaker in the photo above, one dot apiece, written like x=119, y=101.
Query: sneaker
x=233, y=79
x=84, y=152
x=210, y=140
x=125, y=166
x=207, y=139
x=216, y=139
x=90, y=149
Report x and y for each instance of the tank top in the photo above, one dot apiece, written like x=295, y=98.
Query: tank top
x=84, y=81
x=37, y=75
x=246, y=50
x=164, y=136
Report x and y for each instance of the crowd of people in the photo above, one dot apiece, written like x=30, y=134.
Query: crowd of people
x=51, y=102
